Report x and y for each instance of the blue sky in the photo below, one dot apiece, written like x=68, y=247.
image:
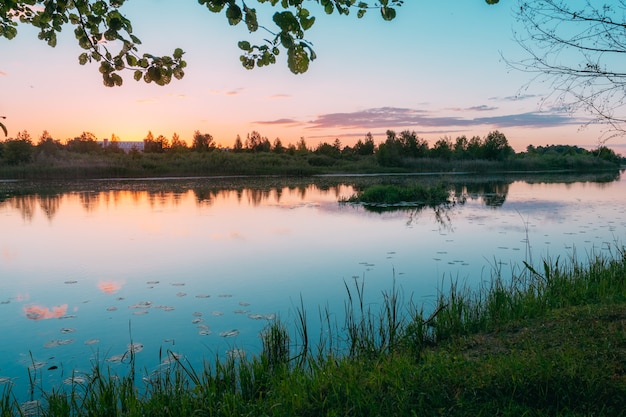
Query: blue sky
x=437, y=69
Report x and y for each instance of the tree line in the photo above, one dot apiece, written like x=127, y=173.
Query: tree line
x=397, y=150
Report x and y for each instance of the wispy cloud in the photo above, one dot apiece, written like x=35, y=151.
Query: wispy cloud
x=229, y=93
x=279, y=122
x=517, y=97
x=146, y=100
x=392, y=117
x=3, y=74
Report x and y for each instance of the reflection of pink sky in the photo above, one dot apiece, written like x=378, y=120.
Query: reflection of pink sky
x=110, y=287
x=38, y=312
x=22, y=297
x=9, y=254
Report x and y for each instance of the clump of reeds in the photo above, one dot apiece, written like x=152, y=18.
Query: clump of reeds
x=416, y=194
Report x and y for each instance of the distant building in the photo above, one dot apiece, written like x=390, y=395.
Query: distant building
x=125, y=145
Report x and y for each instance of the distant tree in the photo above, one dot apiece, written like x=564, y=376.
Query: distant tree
x=47, y=145
x=85, y=143
x=496, y=146
x=19, y=150
x=365, y=146
x=177, y=144
x=257, y=143
x=202, y=142
x=412, y=146
x=278, y=147
x=301, y=147
x=151, y=145
x=325, y=148
x=460, y=147
x=238, y=145
x=162, y=142
x=114, y=145
x=337, y=145
x=442, y=149
x=475, y=148
x=389, y=153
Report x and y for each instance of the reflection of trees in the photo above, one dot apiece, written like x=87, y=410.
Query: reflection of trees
x=25, y=205
x=89, y=200
x=493, y=194
x=441, y=211
x=50, y=205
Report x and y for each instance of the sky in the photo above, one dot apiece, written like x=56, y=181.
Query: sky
x=439, y=69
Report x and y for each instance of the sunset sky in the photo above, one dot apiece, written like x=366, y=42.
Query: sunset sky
x=436, y=70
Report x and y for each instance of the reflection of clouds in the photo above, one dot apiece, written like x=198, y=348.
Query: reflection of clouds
x=110, y=287
x=39, y=312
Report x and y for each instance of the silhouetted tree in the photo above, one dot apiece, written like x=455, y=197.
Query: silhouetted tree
x=475, y=148
x=278, y=146
x=85, y=143
x=460, y=147
x=177, y=144
x=496, y=147
x=238, y=145
x=202, y=142
x=365, y=147
x=19, y=150
x=47, y=145
x=301, y=147
x=442, y=149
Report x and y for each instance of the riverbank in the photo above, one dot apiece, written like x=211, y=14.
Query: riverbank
x=550, y=341
x=71, y=165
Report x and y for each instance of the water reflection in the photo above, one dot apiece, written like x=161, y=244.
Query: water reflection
x=492, y=191
x=204, y=264
x=39, y=312
x=110, y=287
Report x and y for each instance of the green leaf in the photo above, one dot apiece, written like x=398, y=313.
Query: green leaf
x=4, y=129
x=244, y=45
x=83, y=58
x=388, y=13
x=131, y=60
x=178, y=73
x=247, y=62
x=178, y=53
x=137, y=75
x=234, y=15
x=297, y=59
x=251, y=20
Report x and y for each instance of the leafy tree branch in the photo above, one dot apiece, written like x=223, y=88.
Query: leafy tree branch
x=107, y=38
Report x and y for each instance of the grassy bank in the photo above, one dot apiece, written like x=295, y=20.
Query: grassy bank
x=551, y=341
x=64, y=164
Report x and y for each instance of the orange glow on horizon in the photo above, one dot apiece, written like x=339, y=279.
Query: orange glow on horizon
x=38, y=312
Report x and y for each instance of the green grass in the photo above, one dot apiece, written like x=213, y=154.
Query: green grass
x=550, y=341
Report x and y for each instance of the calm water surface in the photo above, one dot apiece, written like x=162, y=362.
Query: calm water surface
x=200, y=266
